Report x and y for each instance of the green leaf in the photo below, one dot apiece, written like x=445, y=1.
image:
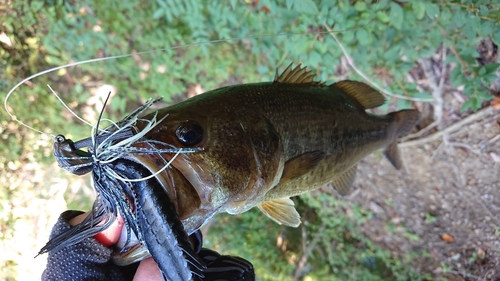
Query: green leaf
x=423, y=95
x=36, y=5
x=403, y=104
x=78, y=88
x=53, y=60
x=306, y=6
x=482, y=71
x=456, y=76
x=314, y=58
x=496, y=38
x=158, y=14
x=458, y=17
x=418, y=10
x=467, y=104
x=363, y=37
x=445, y=17
x=360, y=6
x=476, y=104
x=491, y=68
x=262, y=69
x=382, y=16
x=384, y=107
x=483, y=10
x=52, y=50
x=432, y=10
x=233, y=4
x=397, y=15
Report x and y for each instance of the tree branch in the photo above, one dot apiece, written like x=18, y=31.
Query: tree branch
x=378, y=87
x=455, y=127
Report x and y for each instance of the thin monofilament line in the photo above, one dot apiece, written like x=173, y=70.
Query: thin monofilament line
x=216, y=41
x=67, y=107
x=103, y=149
x=131, y=120
x=151, y=124
x=113, y=173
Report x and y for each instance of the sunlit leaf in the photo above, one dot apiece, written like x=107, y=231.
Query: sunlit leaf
x=397, y=15
x=432, y=10
x=423, y=95
x=363, y=37
x=306, y=6
x=360, y=6
x=382, y=16
x=418, y=9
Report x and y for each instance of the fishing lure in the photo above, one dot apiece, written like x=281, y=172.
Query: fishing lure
x=126, y=187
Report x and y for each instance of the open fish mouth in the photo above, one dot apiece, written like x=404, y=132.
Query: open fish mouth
x=182, y=183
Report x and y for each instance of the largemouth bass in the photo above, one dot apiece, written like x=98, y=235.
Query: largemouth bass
x=262, y=143
x=249, y=145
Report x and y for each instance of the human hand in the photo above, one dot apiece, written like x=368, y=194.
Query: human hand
x=221, y=267
x=147, y=270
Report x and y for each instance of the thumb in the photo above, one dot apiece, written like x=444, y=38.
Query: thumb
x=111, y=235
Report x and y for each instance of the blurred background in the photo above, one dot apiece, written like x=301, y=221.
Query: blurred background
x=435, y=220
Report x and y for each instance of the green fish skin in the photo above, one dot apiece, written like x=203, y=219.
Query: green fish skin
x=266, y=142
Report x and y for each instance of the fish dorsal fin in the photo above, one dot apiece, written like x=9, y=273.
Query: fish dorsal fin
x=343, y=183
x=296, y=75
x=282, y=211
x=364, y=94
x=300, y=165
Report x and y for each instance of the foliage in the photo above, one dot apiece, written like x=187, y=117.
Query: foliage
x=51, y=33
x=341, y=253
x=384, y=38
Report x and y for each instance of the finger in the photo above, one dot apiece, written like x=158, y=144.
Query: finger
x=111, y=235
x=148, y=270
x=107, y=237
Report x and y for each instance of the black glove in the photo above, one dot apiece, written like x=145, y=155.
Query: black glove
x=222, y=268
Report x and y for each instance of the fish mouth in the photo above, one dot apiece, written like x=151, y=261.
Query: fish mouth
x=189, y=189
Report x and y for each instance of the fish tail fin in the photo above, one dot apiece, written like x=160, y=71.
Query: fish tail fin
x=404, y=121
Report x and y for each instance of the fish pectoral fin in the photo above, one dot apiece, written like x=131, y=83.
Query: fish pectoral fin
x=281, y=211
x=361, y=92
x=343, y=183
x=300, y=165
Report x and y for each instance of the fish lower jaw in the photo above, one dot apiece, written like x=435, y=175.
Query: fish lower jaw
x=131, y=255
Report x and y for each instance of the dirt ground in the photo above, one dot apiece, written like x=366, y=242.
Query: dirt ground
x=448, y=195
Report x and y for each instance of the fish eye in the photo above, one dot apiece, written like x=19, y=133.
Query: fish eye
x=189, y=133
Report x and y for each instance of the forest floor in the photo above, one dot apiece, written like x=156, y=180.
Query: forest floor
x=448, y=196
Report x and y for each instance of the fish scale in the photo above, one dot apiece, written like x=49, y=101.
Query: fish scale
x=263, y=143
